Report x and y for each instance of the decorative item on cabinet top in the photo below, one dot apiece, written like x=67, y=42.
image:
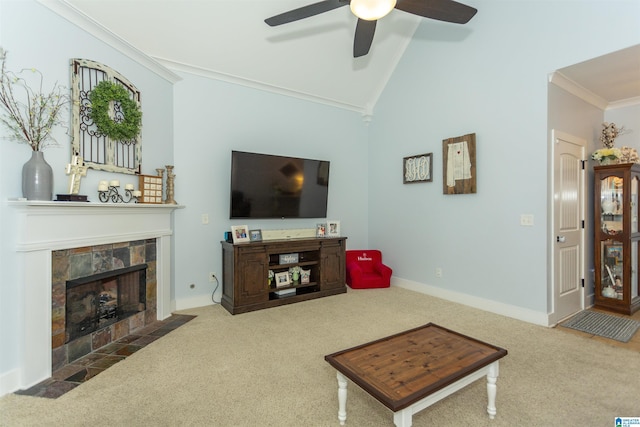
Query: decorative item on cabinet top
x=333, y=229
x=255, y=235
x=240, y=233
x=610, y=155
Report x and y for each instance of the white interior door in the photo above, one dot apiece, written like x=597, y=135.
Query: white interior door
x=568, y=225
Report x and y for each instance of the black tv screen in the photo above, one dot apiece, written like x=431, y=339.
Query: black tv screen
x=270, y=186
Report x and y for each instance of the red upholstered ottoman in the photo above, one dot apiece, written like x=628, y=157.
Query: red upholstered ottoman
x=365, y=270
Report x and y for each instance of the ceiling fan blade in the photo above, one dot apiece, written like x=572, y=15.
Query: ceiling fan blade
x=305, y=12
x=442, y=10
x=363, y=38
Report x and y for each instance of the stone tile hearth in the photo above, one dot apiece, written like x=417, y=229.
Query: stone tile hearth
x=79, y=371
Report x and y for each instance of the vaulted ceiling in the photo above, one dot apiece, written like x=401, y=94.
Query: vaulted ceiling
x=311, y=58
x=229, y=39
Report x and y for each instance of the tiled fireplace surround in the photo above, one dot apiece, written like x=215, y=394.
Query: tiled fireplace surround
x=69, y=264
x=48, y=232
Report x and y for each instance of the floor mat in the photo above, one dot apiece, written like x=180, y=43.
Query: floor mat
x=604, y=325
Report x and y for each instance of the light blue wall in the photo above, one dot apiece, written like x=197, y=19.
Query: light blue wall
x=488, y=77
x=35, y=37
x=212, y=118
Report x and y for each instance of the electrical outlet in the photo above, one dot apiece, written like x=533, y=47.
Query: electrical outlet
x=438, y=272
x=212, y=277
x=205, y=218
x=526, y=220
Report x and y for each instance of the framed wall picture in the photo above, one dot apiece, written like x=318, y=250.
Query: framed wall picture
x=333, y=228
x=282, y=279
x=255, y=235
x=417, y=168
x=459, y=165
x=240, y=233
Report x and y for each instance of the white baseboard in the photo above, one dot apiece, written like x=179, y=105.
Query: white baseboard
x=9, y=382
x=194, y=302
x=512, y=311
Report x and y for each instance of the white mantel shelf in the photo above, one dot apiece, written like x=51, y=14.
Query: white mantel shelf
x=42, y=227
x=65, y=225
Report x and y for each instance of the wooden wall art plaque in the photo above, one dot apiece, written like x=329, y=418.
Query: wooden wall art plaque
x=459, y=165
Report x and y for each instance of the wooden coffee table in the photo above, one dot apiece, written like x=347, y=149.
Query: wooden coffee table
x=412, y=370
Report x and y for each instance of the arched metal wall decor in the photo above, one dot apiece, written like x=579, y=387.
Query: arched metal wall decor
x=97, y=149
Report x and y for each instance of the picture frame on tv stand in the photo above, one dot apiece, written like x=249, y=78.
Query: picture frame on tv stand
x=240, y=233
x=333, y=228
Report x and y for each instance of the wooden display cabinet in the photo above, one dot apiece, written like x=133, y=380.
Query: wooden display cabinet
x=616, y=237
x=245, y=272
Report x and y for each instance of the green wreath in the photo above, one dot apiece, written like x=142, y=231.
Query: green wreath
x=100, y=97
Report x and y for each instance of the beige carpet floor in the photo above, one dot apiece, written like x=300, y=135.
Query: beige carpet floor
x=267, y=368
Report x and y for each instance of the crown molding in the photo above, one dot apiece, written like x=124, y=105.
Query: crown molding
x=207, y=73
x=629, y=102
x=79, y=19
x=562, y=81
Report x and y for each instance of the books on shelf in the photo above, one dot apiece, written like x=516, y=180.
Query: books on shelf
x=285, y=292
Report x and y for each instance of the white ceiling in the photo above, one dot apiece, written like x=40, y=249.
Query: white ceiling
x=614, y=78
x=229, y=39
x=311, y=58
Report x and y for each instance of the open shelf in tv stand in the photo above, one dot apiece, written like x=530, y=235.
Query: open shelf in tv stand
x=245, y=271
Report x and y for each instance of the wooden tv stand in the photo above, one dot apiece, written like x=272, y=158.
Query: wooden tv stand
x=245, y=271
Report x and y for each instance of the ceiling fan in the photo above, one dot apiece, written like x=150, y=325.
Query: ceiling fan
x=369, y=11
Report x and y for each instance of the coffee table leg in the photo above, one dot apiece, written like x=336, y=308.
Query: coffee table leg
x=403, y=418
x=342, y=398
x=492, y=377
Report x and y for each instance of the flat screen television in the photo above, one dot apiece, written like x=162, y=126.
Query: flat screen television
x=269, y=186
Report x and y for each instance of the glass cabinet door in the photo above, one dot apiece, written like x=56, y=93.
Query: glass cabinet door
x=611, y=269
x=611, y=204
x=634, y=269
x=634, y=204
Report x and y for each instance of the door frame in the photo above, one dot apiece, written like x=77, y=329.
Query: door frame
x=556, y=134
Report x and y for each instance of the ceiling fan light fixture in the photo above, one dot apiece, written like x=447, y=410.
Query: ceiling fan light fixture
x=370, y=10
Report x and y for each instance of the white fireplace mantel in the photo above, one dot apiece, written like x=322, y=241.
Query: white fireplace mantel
x=43, y=227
